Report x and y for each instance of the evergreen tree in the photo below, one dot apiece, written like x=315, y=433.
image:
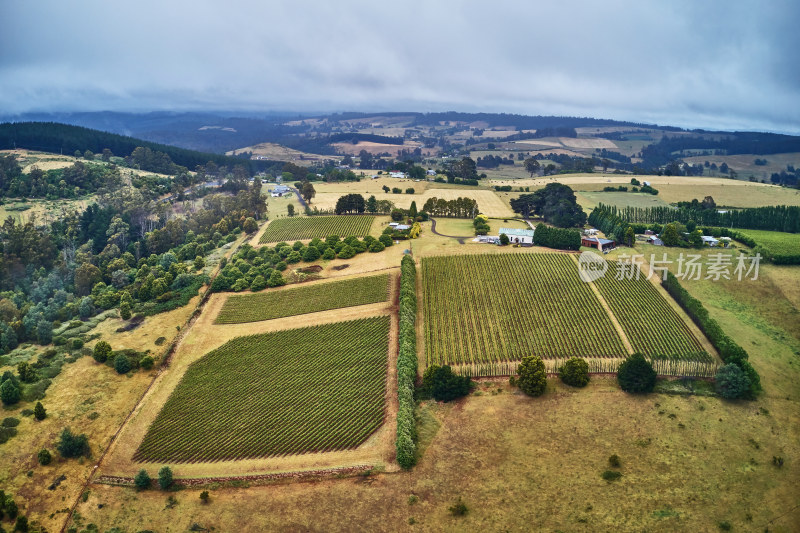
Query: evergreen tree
x=165, y=478
x=532, y=378
x=142, y=480
x=636, y=374
x=39, y=412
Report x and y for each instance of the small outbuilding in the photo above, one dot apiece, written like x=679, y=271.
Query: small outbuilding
x=279, y=191
x=599, y=243
x=710, y=241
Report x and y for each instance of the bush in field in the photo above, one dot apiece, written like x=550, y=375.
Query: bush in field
x=636, y=374
x=204, y=496
x=122, y=364
x=329, y=254
x=532, y=378
x=9, y=392
x=732, y=382
x=311, y=254
x=44, y=456
x=70, y=445
x=101, y=351
x=165, y=478
x=39, y=412
x=575, y=372
x=146, y=363
x=441, y=384
x=504, y=239
x=142, y=480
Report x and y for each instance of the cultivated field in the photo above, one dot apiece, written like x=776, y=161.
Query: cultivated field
x=590, y=199
x=652, y=326
x=278, y=303
x=289, y=392
x=511, y=306
x=489, y=310
x=303, y=228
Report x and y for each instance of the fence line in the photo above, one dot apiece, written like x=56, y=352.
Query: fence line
x=662, y=366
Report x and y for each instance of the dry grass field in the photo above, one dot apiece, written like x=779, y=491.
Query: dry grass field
x=380, y=148
x=726, y=192
x=281, y=153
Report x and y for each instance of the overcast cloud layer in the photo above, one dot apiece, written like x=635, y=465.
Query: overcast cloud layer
x=713, y=64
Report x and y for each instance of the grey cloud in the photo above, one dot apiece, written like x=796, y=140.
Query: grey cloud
x=712, y=64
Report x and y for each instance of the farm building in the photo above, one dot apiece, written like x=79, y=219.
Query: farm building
x=710, y=241
x=518, y=236
x=399, y=227
x=591, y=232
x=279, y=191
x=430, y=172
x=598, y=242
x=396, y=174
x=487, y=239
x=654, y=240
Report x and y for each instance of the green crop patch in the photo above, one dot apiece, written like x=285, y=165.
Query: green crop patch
x=306, y=299
x=313, y=389
x=302, y=228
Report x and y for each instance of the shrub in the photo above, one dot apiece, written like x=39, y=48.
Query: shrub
x=44, y=457
x=504, y=239
x=204, y=496
x=613, y=461
x=258, y=284
x=21, y=524
x=124, y=310
x=146, y=362
x=9, y=392
x=142, y=480
x=165, y=478
x=532, y=376
x=311, y=254
x=76, y=343
x=122, y=364
x=636, y=374
x=575, y=372
x=101, y=351
x=329, y=254
x=732, y=382
x=611, y=475
x=39, y=412
x=70, y=445
x=440, y=383
x=459, y=508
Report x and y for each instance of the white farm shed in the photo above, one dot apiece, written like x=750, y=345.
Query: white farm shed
x=518, y=236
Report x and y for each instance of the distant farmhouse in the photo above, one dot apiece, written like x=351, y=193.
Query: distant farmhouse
x=279, y=191
x=518, y=236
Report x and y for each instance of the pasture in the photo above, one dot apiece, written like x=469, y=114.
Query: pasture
x=278, y=303
x=315, y=389
x=303, y=228
x=775, y=241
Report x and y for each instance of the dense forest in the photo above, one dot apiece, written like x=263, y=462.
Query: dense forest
x=65, y=139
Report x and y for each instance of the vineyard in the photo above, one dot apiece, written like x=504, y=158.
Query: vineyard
x=493, y=309
x=652, y=326
x=289, y=392
x=306, y=299
x=301, y=228
x=484, y=313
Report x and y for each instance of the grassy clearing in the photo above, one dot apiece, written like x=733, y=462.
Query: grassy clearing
x=301, y=300
x=495, y=309
x=303, y=228
x=590, y=199
x=294, y=391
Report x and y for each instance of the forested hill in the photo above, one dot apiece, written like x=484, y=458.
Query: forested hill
x=66, y=139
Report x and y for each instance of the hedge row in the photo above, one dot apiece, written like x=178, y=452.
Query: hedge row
x=562, y=239
x=729, y=350
x=407, y=365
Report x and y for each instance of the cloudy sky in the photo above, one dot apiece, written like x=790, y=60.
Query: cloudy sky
x=715, y=64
